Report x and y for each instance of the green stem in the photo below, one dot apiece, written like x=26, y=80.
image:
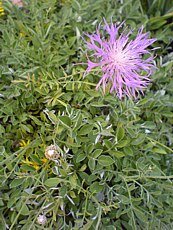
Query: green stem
x=157, y=142
x=149, y=177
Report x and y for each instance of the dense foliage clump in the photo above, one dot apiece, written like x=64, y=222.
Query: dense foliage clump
x=72, y=157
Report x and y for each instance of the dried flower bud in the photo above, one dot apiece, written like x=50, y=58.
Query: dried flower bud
x=42, y=219
x=52, y=152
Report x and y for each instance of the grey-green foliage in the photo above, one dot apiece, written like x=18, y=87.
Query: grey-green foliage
x=115, y=167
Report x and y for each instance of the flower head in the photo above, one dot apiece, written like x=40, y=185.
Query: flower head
x=125, y=62
x=42, y=219
x=18, y=3
x=52, y=152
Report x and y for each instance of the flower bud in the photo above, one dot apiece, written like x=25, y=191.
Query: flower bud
x=42, y=219
x=52, y=152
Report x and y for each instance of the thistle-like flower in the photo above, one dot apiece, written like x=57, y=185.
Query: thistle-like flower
x=18, y=3
x=125, y=62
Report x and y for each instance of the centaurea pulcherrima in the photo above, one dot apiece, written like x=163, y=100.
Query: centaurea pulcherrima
x=126, y=63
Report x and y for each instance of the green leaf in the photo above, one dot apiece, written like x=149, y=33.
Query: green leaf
x=62, y=172
x=156, y=23
x=2, y=130
x=1, y=203
x=128, y=151
x=117, y=154
x=36, y=159
x=86, y=129
x=139, y=140
x=93, y=93
x=88, y=225
x=96, y=187
x=17, y=182
x=73, y=145
x=124, y=199
x=53, y=118
x=107, y=133
x=65, y=120
x=120, y=133
x=80, y=157
x=27, y=128
x=92, y=164
x=73, y=181
x=148, y=125
x=63, y=191
x=97, y=153
x=108, y=144
x=90, y=148
x=141, y=215
x=122, y=143
x=61, y=102
x=23, y=209
x=27, y=168
x=159, y=150
x=105, y=160
x=52, y=182
x=36, y=120
x=2, y=150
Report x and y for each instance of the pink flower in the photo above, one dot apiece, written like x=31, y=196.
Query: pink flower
x=17, y=3
x=125, y=62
